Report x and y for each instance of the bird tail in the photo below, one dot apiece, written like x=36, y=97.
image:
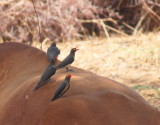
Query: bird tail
x=56, y=67
x=54, y=98
x=39, y=83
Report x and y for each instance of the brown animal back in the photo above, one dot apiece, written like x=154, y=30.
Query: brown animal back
x=91, y=99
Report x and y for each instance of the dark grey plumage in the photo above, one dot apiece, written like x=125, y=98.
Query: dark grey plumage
x=68, y=60
x=52, y=52
x=49, y=71
x=62, y=88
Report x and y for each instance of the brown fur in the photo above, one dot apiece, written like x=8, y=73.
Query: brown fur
x=91, y=99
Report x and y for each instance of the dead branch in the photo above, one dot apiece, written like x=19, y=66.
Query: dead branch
x=39, y=29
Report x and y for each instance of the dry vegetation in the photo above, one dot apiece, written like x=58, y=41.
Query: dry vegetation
x=61, y=20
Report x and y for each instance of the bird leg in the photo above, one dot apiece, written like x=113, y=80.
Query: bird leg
x=48, y=80
x=61, y=96
x=52, y=80
x=69, y=70
x=52, y=61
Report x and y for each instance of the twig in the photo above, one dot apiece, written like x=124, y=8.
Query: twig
x=115, y=30
x=119, y=4
x=98, y=20
x=104, y=28
x=101, y=21
x=140, y=22
x=128, y=26
x=150, y=10
x=39, y=30
x=48, y=9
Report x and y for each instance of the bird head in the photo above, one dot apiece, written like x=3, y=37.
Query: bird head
x=74, y=49
x=53, y=44
x=69, y=75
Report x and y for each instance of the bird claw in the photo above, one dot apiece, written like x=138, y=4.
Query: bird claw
x=52, y=80
x=69, y=70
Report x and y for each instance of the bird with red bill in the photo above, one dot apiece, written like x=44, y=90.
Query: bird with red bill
x=68, y=60
x=52, y=53
x=62, y=88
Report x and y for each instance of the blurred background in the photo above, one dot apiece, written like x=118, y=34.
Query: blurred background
x=118, y=39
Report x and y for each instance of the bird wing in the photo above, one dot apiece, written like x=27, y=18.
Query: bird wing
x=66, y=88
x=60, y=89
x=52, y=52
x=49, y=71
x=68, y=60
x=58, y=51
x=39, y=84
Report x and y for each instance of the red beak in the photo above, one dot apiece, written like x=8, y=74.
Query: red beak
x=76, y=49
x=70, y=75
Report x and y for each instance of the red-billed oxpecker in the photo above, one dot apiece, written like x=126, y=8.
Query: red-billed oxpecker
x=62, y=88
x=68, y=60
x=52, y=53
x=45, y=77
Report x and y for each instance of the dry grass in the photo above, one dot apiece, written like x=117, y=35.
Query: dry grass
x=132, y=60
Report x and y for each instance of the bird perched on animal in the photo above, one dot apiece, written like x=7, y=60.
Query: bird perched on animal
x=45, y=77
x=52, y=53
x=68, y=60
x=62, y=88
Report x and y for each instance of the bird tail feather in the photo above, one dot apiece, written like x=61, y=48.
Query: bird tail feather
x=54, y=98
x=56, y=67
x=39, y=83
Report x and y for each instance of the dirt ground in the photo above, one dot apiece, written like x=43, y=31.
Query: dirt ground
x=132, y=60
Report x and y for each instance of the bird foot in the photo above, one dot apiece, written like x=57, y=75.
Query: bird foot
x=69, y=70
x=52, y=81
